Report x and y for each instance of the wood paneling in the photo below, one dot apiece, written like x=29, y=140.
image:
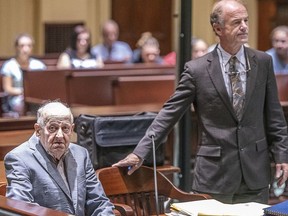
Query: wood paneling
x=272, y=13
x=137, y=16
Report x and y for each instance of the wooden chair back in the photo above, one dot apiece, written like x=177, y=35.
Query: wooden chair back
x=137, y=190
x=3, y=188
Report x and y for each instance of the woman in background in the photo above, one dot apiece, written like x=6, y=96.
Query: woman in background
x=78, y=55
x=13, y=76
x=148, y=50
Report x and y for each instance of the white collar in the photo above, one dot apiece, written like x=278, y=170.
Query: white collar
x=226, y=56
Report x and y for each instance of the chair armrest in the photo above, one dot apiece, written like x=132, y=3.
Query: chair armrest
x=123, y=209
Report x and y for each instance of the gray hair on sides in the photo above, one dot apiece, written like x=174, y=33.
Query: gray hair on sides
x=42, y=118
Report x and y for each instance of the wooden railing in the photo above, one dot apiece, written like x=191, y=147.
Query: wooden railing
x=19, y=208
x=98, y=87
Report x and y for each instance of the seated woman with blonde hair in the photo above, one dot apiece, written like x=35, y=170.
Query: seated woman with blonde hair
x=78, y=55
x=148, y=50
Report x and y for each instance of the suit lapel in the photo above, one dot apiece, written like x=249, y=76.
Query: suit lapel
x=251, y=76
x=47, y=165
x=71, y=168
x=215, y=72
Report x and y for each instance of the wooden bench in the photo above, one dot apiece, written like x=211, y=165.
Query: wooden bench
x=83, y=87
x=282, y=85
x=21, y=123
x=14, y=131
x=143, y=89
x=41, y=85
x=11, y=139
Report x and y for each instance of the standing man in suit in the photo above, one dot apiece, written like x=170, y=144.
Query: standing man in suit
x=50, y=171
x=236, y=133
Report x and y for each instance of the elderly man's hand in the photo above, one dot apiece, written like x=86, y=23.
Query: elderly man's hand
x=132, y=161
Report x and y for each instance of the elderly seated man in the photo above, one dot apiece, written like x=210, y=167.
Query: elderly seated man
x=50, y=171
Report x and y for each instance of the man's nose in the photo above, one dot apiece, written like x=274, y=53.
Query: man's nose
x=59, y=133
x=26, y=48
x=244, y=26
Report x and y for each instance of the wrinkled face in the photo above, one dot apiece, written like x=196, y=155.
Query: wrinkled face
x=24, y=48
x=83, y=41
x=280, y=43
x=199, y=49
x=55, y=135
x=110, y=34
x=233, y=32
x=149, y=53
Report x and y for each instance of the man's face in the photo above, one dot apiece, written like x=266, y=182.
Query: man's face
x=110, y=34
x=55, y=135
x=24, y=47
x=280, y=43
x=233, y=31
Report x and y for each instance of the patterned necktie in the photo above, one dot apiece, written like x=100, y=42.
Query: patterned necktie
x=238, y=94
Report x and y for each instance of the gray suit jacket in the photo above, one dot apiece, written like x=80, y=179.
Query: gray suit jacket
x=229, y=150
x=33, y=178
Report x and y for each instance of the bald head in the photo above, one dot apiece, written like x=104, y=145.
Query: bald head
x=55, y=110
x=216, y=16
x=110, y=32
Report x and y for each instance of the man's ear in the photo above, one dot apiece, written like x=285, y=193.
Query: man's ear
x=217, y=28
x=73, y=125
x=37, y=129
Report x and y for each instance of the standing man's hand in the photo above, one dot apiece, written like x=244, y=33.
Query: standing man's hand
x=132, y=161
x=281, y=173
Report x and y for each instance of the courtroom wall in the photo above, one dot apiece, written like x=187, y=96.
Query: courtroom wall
x=17, y=16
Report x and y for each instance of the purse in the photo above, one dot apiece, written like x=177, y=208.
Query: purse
x=109, y=139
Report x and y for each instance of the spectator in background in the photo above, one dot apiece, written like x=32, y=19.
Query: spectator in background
x=111, y=49
x=199, y=48
x=13, y=75
x=148, y=50
x=279, y=50
x=78, y=55
x=49, y=171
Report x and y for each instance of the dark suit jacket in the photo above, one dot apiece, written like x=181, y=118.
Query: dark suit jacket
x=33, y=178
x=229, y=150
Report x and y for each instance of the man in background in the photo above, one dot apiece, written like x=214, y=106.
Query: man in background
x=279, y=50
x=111, y=49
x=199, y=47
